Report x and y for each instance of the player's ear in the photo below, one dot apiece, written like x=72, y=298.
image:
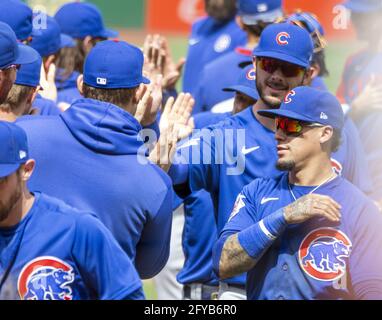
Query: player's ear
x=87, y=44
x=308, y=76
x=326, y=134
x=316, y=70
x=33, y=95
x=80, y=83
x=27, y=170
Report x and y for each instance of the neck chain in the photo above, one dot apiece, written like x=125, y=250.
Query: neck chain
x=332, y=177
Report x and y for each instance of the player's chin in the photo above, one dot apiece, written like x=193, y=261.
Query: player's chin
x=274, y=101
x=285, y=164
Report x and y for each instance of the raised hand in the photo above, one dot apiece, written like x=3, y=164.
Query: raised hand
x=158, y=60
x=174, y=125
x=150, y=103
x=311, y=206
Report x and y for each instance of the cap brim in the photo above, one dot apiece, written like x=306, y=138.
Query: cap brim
x=109, y=33
x=269, y=16
x=283, y=113
x=26, y=55
x=280, y=56
x=66, y=41
x=250, y=92
x=8, y=169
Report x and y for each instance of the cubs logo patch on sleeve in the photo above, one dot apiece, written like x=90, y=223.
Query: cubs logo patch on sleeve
x=238, y=205
x=46, y=278
x=323, y=254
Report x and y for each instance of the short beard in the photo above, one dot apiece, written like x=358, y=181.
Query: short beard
x=271, y=102
x=6, y=208
x=285, y=165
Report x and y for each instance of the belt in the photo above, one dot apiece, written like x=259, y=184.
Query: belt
x=239, y=288
x=197, y=291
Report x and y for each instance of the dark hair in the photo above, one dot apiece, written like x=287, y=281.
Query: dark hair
x=118, y=97
x=319, y=58
x=16, y=97
x=336, y=140
x=225, y=12
x=66, y=61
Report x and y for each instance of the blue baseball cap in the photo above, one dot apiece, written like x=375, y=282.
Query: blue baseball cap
x=286, y=42
x=79, y=19
x=310, y=105
x=363, y=6
x=29, y=74
x=114, y=64
x=246, y=83
x=13, y=148
x=47, y=41
x=12, y=52
x=18, y=16
x=253, y=11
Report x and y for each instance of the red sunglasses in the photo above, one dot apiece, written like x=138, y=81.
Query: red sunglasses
x=289, y=70
x=291, y=126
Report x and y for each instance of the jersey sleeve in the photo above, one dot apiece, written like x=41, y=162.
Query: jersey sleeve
x=107, y=271
x=366, y=255
x=153, y=248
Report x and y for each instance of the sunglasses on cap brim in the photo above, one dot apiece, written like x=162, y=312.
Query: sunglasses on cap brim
x=292, y=126
x=270, y=65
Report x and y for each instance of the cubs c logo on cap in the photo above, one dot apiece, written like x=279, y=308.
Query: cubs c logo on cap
x=251, y=74
x=288, y=98
x=323, y=254
x=282, y=38
x=46, y=278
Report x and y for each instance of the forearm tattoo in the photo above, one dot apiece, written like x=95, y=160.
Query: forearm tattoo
x=234, y=259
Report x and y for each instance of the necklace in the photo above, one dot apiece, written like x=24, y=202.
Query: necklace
x=332, y=177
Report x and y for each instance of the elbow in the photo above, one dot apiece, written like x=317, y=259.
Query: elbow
x=220, y=265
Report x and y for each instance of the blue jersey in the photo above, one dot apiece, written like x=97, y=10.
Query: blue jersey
x=217, y=75
x=46, y=107
x=258, y=154
x=209, y=40
x=317, y=259
x=92, y=163
x=64, y=254
x=205, y=119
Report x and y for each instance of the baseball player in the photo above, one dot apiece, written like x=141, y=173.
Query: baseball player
x=282, y=63
x=252, y=17
x=83, y=22
x=210, y=38
x=49, y=250
x=12, y=55
x=98, y=165
x=308, y=234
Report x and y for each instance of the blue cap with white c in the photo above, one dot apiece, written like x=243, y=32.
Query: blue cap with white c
x=310, y=105
x=286, y=42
